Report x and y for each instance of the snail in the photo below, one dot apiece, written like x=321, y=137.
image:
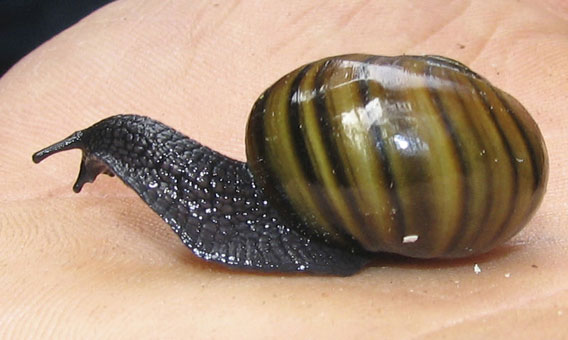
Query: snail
x=348, y=158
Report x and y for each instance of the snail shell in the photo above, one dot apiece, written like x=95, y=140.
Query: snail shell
x=348, y=156
x=376, y=148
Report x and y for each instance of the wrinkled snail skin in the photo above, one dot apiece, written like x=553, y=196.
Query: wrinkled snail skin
x=347, y=157
x=210, y=201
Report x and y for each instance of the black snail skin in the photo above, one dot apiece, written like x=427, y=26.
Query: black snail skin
x=348, y=157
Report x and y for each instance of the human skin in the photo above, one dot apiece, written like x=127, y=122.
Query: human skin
x=102, y=264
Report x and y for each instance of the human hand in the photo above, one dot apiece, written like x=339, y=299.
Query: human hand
x=101, y=263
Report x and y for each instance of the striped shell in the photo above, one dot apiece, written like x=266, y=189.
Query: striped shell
x=415, y=155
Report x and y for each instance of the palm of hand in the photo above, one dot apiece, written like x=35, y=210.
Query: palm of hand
x=102, y=263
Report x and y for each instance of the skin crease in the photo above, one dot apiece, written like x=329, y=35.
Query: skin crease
x=101, y=263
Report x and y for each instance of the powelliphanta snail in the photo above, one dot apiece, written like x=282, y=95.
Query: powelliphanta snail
x=348, y=157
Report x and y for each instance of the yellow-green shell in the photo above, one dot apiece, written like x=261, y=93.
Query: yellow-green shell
x=415, y=155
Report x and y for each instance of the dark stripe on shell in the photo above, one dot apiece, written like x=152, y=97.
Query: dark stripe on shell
x=458, y=151
x=294, y=126
x=488, y=199
x=323, y=110
x=419, y=217
x=537, y=174
x=264, y=182
x=298, y=137
x=505, y=226
x=511, y=156
x=375, y=136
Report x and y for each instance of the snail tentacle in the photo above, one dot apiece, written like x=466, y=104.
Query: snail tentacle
x=210, y=201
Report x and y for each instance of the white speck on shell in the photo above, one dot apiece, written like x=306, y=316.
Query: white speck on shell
x=410, y=239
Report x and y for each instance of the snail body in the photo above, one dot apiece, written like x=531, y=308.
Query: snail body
x=347, y=157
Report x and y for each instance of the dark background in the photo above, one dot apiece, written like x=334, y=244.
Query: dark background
x=26, y=24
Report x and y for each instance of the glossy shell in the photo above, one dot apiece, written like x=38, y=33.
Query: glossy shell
x=415, y=155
